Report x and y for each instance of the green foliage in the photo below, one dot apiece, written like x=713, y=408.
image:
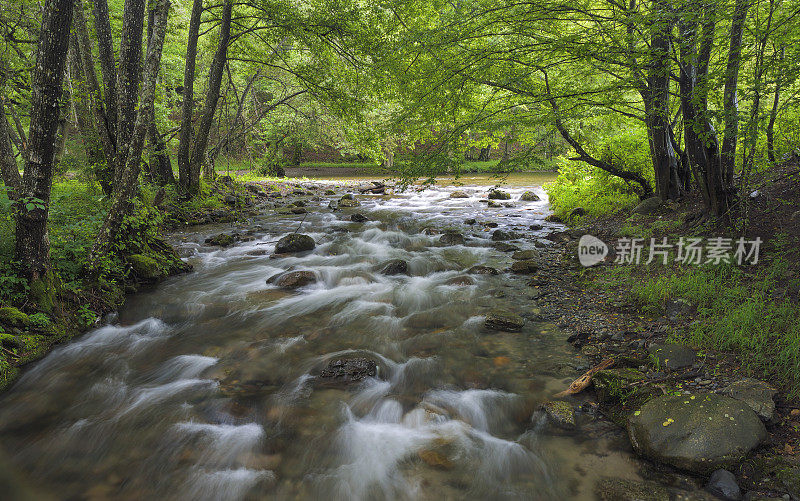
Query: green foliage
x=580, y=185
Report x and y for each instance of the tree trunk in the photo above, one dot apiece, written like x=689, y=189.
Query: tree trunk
x=702, y=145
x=8, y=163
x=125, y=189
x=730, y=100
x=103, y=123
x=160, y=165
x=128, y=75
x=32, y=247
x=484, y=154
x=214, y=84
x=656, y=101
x=773, y=112
x=108, y=69
x=187, y=111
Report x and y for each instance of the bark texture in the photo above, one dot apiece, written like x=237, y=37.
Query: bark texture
x=32, y=247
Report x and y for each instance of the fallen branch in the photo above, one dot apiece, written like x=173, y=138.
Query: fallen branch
x=583, y=382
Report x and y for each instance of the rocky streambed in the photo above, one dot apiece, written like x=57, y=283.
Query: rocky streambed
x=349, y=342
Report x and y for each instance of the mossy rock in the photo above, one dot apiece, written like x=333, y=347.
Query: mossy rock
x=10, y=341
x=13, y=317
x=698, y=433
x=560, y=413
x=616, y=386
x=145, y=267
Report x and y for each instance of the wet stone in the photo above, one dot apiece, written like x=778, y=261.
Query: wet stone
x=560, y=413
x=395, y=267
x=451, y=238
x=345, y=371
x=482, y=270
x=293, y=279
x=722, y=483
x=358, y=218
x=294, y=242
x=348, y=200
x=498, y=195
x=459, y=194
x=221, y=240
x=525, y=254
x=505, y=247
x=503, y=320
x=529, y=196
x=525, y=267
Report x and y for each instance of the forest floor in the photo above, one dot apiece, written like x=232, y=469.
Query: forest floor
x=721, y=323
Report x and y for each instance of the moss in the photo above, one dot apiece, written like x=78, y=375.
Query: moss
x=145, y=267
x=13, y=317
x=10, y=341
x=44, y=291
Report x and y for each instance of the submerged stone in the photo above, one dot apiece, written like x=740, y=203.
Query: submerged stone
x=395, y=267
x=482, y=270
x=345, y=371
x=503, y=320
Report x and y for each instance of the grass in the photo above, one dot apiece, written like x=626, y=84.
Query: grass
x=740, y=310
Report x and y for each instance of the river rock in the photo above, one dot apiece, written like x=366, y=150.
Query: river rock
x=552, y=218
x=500, y=235
x=451, y=238
x=482, y=270
x=461, y=281
x=649, y=206
x=298, y=210
x=618, y=489
x=359, y=218
x=560, y=413
x=756, y=394
x=492, y=204
x=503, y=320
x=295, y=242
x=348, y=200
x=722, y=483
x=529, y=196
x=525, y=254
x=221, y=240
x=498, y=195
x=145, y=267
x=459, y=194
x=505, y=247
x=293, y=279
x=672, y=356
x=698, y=433
x=345, y=371
x=395, y=267
x=525, y=267
x=535, y=227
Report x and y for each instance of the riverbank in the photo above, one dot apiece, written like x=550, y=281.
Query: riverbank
x=684, y=329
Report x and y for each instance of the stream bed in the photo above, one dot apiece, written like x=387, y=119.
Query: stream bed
x=208, y=387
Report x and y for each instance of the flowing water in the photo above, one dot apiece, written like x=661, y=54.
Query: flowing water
x=205, y=387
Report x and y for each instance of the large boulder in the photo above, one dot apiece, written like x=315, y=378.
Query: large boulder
x=500, y=235
x=395, y=267
x=293, y=279
x=649, y=206
x=295, y=242
x=345, y=371
x=698, y=433
x=145, y=267
x=756, y=394
x=503, y=320
x=498, y=195
x=529, y=196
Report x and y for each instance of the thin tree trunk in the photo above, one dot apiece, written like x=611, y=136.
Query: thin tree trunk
x=160, y=166
x=187, y=110
x=10, y=170
x=773, y=112
x=214, y=84
x=128, y=75
x=125, y=189
x=730, y=100
x=32, y=248
x=105, y=45
x=103, y=123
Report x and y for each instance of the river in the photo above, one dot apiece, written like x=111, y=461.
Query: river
x=205, y=387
